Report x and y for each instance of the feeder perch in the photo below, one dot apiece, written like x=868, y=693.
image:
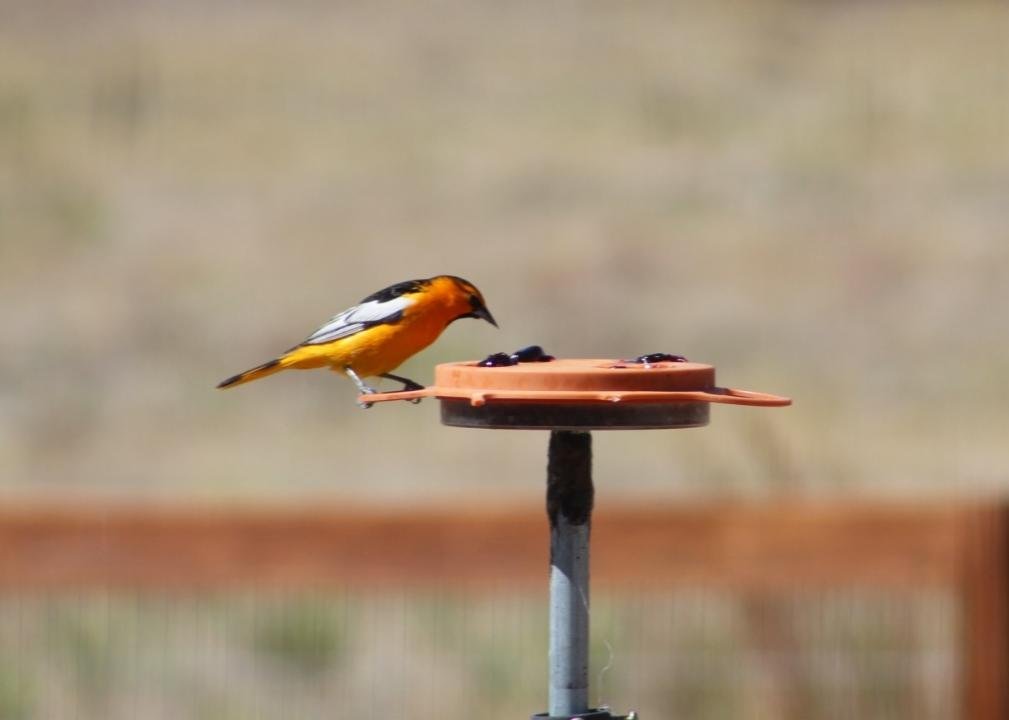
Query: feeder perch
x=570, y=398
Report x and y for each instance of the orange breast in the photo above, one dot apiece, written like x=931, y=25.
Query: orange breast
x=383, y=348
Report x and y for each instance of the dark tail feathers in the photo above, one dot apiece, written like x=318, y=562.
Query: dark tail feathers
x=257, y=372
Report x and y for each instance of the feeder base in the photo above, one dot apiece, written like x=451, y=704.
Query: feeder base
x=574, y=416
x=590, y=715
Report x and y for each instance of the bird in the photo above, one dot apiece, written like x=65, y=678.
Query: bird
x=372, y=338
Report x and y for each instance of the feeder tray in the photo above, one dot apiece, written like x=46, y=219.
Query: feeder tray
x=578, y=394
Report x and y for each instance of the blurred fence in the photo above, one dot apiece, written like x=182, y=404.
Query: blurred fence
x=643, y=556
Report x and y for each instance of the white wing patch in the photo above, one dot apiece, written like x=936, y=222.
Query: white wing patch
x=359, y=317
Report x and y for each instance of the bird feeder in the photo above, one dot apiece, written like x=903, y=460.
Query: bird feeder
x=571, y=398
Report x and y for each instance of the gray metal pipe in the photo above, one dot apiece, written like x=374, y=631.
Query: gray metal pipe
x=569, y=506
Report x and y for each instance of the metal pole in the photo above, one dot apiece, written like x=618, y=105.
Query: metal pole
x=569, y=506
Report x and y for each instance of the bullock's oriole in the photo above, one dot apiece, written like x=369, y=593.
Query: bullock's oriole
x=384, y=329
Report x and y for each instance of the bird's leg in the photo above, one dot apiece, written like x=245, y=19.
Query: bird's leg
x=365, y=389
x=408, y=384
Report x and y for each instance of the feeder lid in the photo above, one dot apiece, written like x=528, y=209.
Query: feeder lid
x=577, y=394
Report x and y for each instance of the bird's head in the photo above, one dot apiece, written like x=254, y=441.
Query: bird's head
x=467, y=300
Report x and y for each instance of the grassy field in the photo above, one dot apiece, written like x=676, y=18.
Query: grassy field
x=810, y=195
x=699, y=655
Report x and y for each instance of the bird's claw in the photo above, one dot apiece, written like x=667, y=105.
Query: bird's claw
x=411, y=386
x=366, y=390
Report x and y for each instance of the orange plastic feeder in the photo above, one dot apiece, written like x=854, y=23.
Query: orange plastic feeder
x=578, y=394
x=570, y=398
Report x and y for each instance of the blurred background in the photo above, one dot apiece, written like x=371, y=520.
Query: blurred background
x=811, y=196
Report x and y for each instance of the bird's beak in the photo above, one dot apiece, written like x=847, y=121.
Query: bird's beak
x=484, y=314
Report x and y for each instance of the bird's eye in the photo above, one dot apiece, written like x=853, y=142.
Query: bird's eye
x=474, y=302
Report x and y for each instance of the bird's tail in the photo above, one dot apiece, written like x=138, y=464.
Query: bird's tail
x=253, y=374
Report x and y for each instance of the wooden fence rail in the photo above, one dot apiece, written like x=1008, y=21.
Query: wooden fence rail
x=744, y=548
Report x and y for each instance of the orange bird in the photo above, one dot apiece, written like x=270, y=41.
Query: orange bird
x=375, y=336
